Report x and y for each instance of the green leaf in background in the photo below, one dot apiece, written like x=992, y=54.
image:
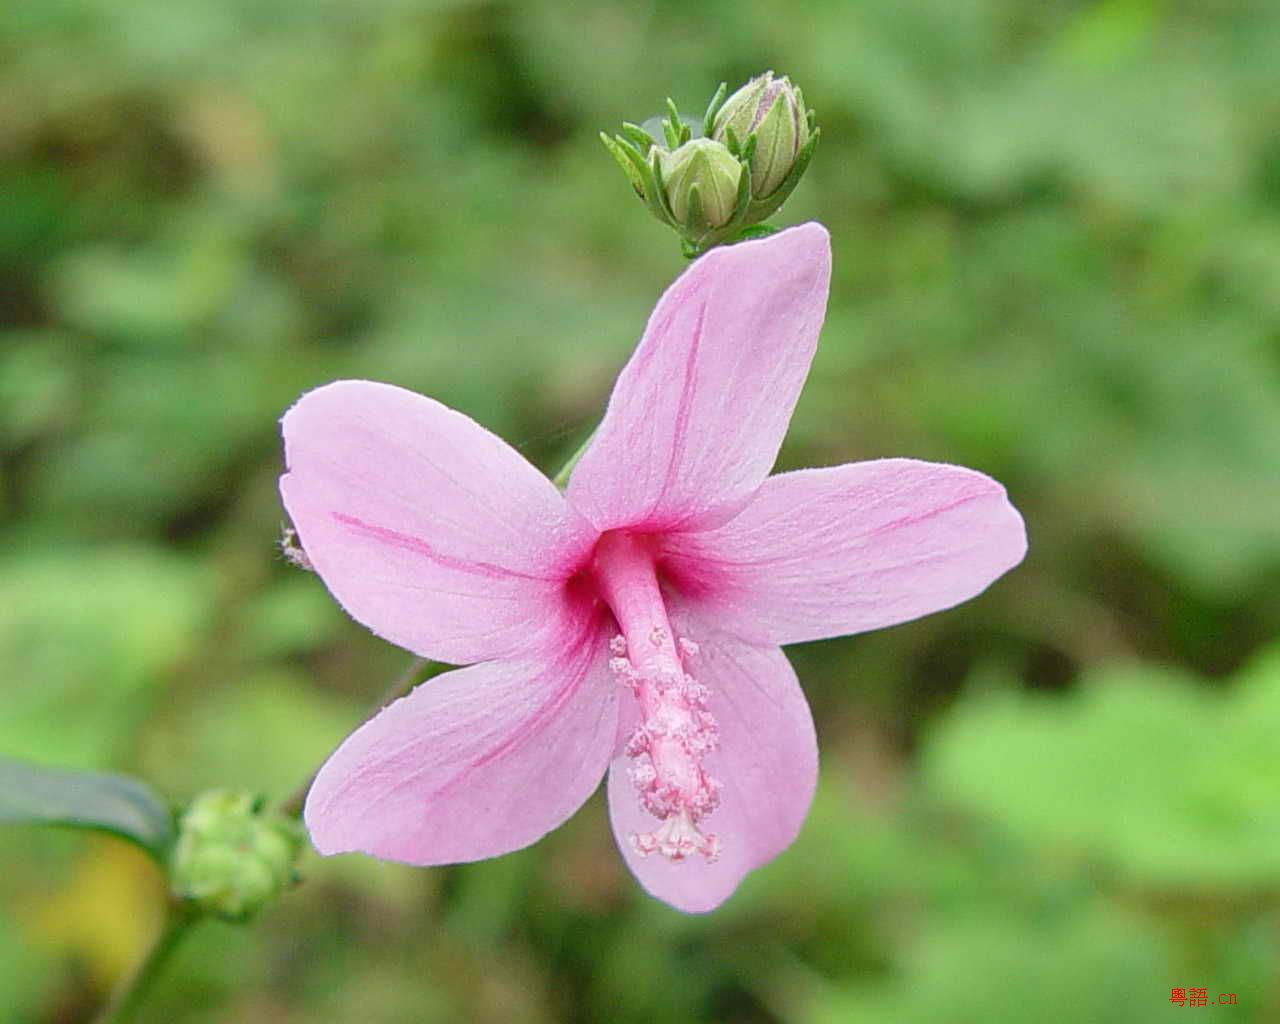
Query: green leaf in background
x=87, y=639
x=1158, y=779
x=37, y=384
x=32, y=794
x=1091, y=964
x=266, y=732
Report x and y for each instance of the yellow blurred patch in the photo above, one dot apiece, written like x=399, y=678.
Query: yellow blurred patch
x=106, y=915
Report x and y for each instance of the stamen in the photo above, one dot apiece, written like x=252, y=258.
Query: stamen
x=675, y=733
x=291, y=549
x=677, y=838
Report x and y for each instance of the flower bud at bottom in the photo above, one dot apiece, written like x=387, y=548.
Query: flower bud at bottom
x=229, y=860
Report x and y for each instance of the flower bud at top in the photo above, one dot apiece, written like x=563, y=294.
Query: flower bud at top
x=230, y=860
x=773, y=110
x=691, y=175
x=708, y=170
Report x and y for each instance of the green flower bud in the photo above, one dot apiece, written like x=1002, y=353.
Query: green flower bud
x=701, y=180
x=230, y=860
x=691, y=175
x=771, y=109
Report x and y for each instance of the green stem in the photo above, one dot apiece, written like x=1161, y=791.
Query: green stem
x=561, y=479
x=130, y=992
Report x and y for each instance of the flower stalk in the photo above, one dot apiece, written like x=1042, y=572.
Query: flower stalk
x=130, y=993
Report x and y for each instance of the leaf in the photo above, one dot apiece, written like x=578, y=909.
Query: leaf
x=88, y=637
x=1143, y=769
x=32, y=794
x=264, y=733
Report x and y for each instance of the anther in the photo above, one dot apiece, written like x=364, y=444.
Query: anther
x=291, y=549
x=677, y=838
x=675, y=734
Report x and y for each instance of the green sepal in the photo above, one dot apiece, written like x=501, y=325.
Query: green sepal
x=640, y=138
x=756, y=231
x=677, y=123
x=638, y=164
x=696, y=223
x=618, y=154
x=661, y=203
x=650, y=189
x=671, y=125
x=731, y=141
x=120, y=805
x=743, y=209
x=713, y=108
x=768, y=206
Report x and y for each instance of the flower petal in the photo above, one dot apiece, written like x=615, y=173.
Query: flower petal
x=767, y=763
x=826, y=552
x=474, y=763
x=698, y=414
x=427, y=528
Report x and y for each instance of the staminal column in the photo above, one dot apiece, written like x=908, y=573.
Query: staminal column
x=676, y=730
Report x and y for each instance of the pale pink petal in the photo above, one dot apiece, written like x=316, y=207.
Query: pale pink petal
x=826, y=552
x=474, y=763
x=698, y=414
x=427, y=528
x=767, y=763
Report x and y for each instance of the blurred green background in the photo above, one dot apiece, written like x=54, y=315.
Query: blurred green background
x=1057, y=259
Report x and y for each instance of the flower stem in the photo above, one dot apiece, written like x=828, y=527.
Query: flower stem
x=561, y=479
x=130, y=992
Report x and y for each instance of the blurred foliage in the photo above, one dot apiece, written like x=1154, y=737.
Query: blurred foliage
x=1057, y=245
x=1165, y=784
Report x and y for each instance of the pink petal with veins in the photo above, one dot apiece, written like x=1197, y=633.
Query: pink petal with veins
x=829, y=552
x=473, y=763
x=698, y=414
x=427, y=528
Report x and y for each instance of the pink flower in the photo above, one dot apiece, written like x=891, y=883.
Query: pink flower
x=632, y=624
